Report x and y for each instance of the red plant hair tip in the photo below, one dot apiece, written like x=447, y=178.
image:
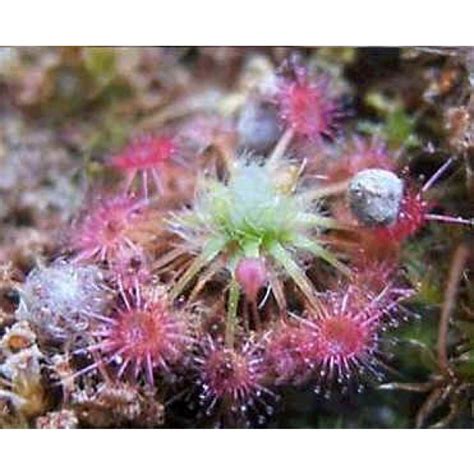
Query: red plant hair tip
x=307, y=106
x=145, y=156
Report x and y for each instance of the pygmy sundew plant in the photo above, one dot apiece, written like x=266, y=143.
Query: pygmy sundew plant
x=143, y=334
x=306, y=103
x=106, y=228
x=341, y=343
x=232, y=380
x=250, y=217
x=146, y=156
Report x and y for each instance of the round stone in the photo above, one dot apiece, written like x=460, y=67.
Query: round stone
x=258, y=127
x=375, y=196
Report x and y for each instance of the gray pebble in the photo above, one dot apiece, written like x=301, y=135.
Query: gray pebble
x=375, y=196
x=258, y=127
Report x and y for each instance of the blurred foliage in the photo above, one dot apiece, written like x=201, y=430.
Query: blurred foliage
x=397, y=126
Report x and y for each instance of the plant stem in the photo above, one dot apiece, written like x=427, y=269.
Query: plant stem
x=455, y=272
x=232, y=306
x=257, y=322
x=281, y=147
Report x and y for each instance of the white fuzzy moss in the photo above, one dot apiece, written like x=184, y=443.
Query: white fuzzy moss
x=61, y=299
